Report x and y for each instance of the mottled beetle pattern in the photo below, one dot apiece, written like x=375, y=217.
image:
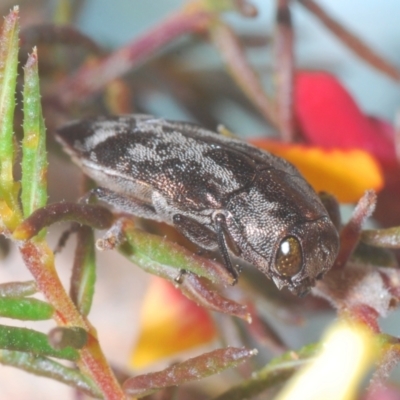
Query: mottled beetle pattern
x=219, y=192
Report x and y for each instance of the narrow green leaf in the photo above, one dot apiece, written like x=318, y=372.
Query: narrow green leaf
x=4, y=247
x=144, y=246
x=27, y=340
x=250, y=388
x=388, y=238
x=291, y=359
x=193, y=369
x=8, y=76
x=25, y=309
x=278, y=371
x=34, y=160
x=62, y=337
x=46, y=367
x=371, y=255
x=83, y=277
x=18, y=289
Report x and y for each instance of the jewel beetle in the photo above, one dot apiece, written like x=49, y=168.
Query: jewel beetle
x=219, y=192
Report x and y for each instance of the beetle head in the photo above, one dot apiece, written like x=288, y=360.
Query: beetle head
x=282, y=228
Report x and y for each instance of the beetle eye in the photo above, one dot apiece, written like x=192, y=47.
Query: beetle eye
x=289, y=260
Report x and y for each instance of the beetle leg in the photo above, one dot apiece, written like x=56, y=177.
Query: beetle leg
x=126, y=204
x=195, y=232
x=206, y=238
x=221, y=229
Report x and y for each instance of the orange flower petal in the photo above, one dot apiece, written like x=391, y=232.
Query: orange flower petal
x=347, y=174
x=170, y=323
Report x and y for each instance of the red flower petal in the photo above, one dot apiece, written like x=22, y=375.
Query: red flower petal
x=329, y=117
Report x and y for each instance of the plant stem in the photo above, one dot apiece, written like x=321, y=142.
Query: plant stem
x=90, y=79
x=40, y=261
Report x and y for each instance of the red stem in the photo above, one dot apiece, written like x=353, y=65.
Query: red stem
x=242, y=72
x=284, y=69
x=350, y=234
x=352, y=41
x=90, y=79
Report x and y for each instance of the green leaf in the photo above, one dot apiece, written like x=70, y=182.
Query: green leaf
x=34, y=160
x=28, y=340
x=18, y=289
x=84, y=271
x=25, y=309
x=8, y=76
x=371, y=255
x=278, y=371
x=388, y=238
x=193, y=369
x=149, y=250
x=62, y=337
x=43, y=366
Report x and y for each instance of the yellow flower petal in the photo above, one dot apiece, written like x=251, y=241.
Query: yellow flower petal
x=170, y=323
x=348, y=353
x=347, y=174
